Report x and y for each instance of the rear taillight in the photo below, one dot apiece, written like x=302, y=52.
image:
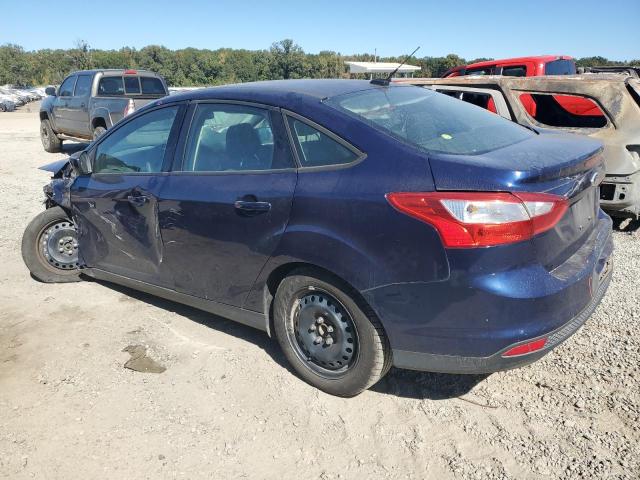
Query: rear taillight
x=482, y=219
x=130, y=108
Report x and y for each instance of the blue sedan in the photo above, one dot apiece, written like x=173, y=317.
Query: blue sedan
x=363, y=225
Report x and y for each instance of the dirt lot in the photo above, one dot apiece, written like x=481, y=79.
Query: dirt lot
x=227, y=406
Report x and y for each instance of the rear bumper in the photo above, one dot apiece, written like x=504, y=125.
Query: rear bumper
x=494, y=363
x=466, y=323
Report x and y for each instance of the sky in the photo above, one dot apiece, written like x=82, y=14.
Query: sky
x=471, y=29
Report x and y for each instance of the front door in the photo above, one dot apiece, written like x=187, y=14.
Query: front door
x=116, y=207
x=61, y=115
x=78, y=106
x=226, y=205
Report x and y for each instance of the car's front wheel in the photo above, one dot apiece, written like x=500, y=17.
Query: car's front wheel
x=50, y=247
x=333, y=341
x=50, y=141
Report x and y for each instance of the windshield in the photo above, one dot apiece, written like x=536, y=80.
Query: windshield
x=431, y=121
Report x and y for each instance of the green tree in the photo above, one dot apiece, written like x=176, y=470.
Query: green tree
x=287, y=60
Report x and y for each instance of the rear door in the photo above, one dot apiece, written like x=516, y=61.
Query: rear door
x=226, y=205
x=117, y=207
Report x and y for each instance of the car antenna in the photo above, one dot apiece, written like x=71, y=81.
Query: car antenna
x=386, y=81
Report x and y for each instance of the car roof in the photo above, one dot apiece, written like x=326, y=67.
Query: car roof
x=115, y=71
x=536, y=58
x=518, y=82
x=282, y=93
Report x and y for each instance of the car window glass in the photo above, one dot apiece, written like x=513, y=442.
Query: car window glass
x=316, y=149
x=152, y=86
x=569, y=111
x=560, y=67
x=111, y=86
x=83, y=86
x=430, y=121
x=66, y=89
x=137, y=146
x=479, y=71
x=514, y=71
x=225, y=137
x=131, y=85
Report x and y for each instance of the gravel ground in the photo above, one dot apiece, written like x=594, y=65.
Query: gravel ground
x=227, y=406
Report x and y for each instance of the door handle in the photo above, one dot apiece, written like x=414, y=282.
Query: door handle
x=137, y=200
x=250, y=207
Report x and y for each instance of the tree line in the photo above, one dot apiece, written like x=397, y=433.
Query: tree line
x=197, y=67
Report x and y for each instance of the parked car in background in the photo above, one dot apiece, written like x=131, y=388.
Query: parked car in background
x=6, y=104
x=89, y=102
x=18, y=100
x=363, y=225
x=518, y=67
x=611, y=114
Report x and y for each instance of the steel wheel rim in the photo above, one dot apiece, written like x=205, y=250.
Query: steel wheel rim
x=58, y=245
x=322, y=333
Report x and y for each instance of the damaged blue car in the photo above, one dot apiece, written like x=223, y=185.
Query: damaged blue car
x=362, y=224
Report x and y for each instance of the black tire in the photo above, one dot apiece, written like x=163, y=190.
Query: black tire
x=370, y=358
x=52, y=226
x=50, y=141
x=98, y=132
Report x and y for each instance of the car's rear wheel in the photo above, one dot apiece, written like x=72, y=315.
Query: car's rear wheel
x=50, y=247
x=98, y=132
x=50, y=141
x=333, y=341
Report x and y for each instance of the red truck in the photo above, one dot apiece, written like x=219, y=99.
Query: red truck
x=530, y=67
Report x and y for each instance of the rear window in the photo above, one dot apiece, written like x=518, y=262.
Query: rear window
x=565, y=111
x=152, y=86
x=479, y=71
x=111, y=86
x=430, y=121
x=560, y=67
x=131, y=85
x=514, y=71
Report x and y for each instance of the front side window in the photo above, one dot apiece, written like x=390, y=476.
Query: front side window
x=479, y=71
x=66, y=89
x=430, y=121
x=226, y=137
x=83, y=86
x=316, y=149
x=111, y=86
x=138, y=146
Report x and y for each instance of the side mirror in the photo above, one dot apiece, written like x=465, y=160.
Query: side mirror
x=81, y=163
x=50, y=91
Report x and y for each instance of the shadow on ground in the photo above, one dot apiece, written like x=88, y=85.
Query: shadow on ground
x=402, y=383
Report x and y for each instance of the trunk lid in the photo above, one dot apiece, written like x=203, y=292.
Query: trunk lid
x=565, y=165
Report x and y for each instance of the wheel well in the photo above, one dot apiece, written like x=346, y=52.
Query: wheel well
x=98, y=122
x=280, y=273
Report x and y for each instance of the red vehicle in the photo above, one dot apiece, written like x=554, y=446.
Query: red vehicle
x=529, y=67
x=518, y=67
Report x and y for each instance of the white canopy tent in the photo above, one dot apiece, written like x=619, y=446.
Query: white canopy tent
x=380, y=68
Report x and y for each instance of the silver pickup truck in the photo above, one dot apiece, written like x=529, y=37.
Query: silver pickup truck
x=88, y=102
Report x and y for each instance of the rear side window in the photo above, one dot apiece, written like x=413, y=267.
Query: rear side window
x=559, y=110
x=83, y=86
x=111, y=86
x=66, y=89
x=152, y=86
x=137, y=146
x=316, y=149
x=430, y=121
x=131, y=85
x=560, y=67
x=514, y=71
